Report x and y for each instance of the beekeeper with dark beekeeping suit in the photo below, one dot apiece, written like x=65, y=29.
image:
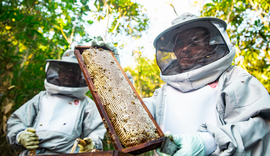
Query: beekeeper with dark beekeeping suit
x=52, y=120
x=209, y=106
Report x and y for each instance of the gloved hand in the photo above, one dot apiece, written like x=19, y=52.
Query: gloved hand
x=90, y=145
x=99, y=42
x=190, y=144
x=28, y=139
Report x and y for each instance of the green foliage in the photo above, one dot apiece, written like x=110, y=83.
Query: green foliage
x=248, y=28
x=32, y=31
x=145, y=74
x=127, y=16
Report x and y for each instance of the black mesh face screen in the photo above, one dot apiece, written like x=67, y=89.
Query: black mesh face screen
x=65, y=74
x=189, y=49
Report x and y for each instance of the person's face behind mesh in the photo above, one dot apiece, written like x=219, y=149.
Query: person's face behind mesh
x=69, y=74
x=191, y=47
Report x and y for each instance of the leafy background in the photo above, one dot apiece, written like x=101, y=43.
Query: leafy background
x=32, y=31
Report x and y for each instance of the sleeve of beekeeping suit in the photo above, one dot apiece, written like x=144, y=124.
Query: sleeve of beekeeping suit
x=21, y=119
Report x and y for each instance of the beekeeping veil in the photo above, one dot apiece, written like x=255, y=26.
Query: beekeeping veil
x=65, y=76
x=181, y=35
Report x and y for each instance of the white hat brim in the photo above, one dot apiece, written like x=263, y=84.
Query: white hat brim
x=169, y=30
x=66, y=61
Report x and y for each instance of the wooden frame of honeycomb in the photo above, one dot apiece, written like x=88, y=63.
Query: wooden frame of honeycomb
x=120, y=106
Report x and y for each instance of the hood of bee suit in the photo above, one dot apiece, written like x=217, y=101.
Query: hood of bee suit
x=208, y=65
x=64, y=77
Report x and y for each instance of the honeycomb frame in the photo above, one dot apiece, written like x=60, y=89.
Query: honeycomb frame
x=109, y=115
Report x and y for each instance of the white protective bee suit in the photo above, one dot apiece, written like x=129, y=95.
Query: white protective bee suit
x=60, y=115
x=212, y=98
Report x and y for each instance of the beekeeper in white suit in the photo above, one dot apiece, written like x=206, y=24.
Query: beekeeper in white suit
x=209, y=106
x=59, y=115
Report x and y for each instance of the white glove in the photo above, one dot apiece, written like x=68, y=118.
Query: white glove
x=99, y=42
x=90, y=145
x=28, y=139
x=190, y=145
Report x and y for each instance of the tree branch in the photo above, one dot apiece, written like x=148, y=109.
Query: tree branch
x=107, y=24
x=170, y=4
x=260, y=14
x=26, y=55
x=63, y=33
x=228, y=20
x=118, y=22
x=120, y=16
x=71, y=36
